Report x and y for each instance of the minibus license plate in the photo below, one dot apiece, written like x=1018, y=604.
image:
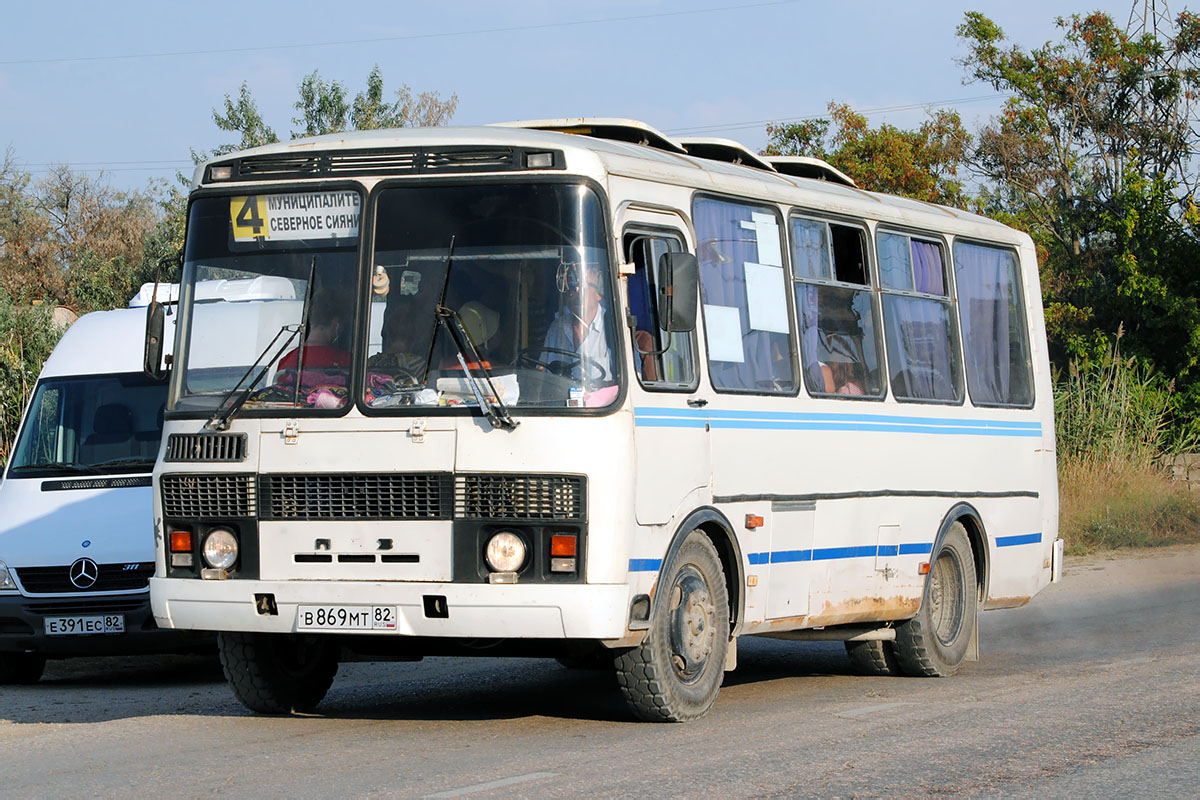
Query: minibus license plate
x=69, y=626
x=352, y=618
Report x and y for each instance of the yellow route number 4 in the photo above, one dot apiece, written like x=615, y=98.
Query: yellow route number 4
x=249, y=216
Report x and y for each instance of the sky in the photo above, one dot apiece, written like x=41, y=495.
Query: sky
x=129, y=87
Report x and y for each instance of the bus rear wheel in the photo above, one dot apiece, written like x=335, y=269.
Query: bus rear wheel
x=274, y=673
x=21, y=668
x=934, y=643
x=676, y=673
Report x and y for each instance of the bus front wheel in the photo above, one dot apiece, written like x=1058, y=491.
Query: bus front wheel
x=275, y=673
x=934, y=643
x=675, y=674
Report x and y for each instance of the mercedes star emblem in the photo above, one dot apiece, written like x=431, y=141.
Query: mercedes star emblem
x=84, y=573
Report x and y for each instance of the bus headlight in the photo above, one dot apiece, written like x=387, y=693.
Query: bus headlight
x=505, y=552
x=220, y=549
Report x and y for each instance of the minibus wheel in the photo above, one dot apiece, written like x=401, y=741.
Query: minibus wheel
x=675, y=674
x=873, y=657
x=277, y=673
x=21, y=668
x=934, y=643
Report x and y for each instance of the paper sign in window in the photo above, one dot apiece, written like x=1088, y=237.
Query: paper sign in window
x=766, y=295
x=766, y=234
x=723, y=325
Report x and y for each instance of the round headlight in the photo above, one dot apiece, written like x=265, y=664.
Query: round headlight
x=220, y=548
x=505, y=552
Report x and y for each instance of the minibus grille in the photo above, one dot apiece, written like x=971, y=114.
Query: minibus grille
x=379, y=162
x=355, y=496
x=208, y=496
x=111, y=578
x=501, y=496
x=206, y=447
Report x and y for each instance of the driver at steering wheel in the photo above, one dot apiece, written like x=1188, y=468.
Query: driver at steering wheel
x=579, y=328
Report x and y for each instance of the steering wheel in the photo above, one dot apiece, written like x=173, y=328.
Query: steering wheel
x=532, y=357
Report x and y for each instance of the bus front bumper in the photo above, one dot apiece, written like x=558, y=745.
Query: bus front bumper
x=534, y=611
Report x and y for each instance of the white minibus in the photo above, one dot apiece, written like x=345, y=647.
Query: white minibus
x=76, y=533
x=579, y=390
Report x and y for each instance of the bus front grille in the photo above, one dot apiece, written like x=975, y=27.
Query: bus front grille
x=507, y=496
x=212, y=496
x=206, y=447
x=358, y=496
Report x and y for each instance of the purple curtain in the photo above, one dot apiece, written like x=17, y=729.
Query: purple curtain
x=927, y=268
x=920, y=357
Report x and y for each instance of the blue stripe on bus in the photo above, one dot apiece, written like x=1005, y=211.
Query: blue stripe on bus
x=783, y=420
x=791, y=556
x=1026, y=538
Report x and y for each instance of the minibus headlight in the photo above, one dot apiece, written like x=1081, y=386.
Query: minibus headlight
x=505, y=552
x=220, y=549
x=7, y=582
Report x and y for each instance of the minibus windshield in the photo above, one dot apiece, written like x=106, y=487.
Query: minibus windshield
x=92, y=425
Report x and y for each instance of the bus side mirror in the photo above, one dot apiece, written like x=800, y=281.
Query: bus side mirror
x=155, y=325
x=678, y=285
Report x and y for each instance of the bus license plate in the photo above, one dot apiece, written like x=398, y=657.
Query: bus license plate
x=346, y=618
x=73, y=626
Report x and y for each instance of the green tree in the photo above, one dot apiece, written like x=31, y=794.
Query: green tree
x=244, y=118
x=27, y=336
x=1101, y=186
x=923, y=164
x=323, y=108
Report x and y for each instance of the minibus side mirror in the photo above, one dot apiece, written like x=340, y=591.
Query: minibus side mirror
x=678, y=284
x=152, y=362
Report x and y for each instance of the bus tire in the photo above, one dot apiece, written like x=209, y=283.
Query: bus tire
x=675, y=674
x=274, y=673
x=934, y=643
x=873, y=658
x=21, y=668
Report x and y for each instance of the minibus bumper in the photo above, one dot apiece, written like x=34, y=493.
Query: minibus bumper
x=535, y=611
x=23, y=627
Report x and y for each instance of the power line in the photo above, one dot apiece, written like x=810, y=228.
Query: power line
x=407, y=38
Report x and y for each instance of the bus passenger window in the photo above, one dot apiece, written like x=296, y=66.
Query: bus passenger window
x=839, y=344
x=995, y=344
x=922, y=351
x=743, y=289
x=663, y=360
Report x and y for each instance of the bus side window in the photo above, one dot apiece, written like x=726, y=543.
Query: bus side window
x=664, y=361
x=839, y=344
x=918, y=320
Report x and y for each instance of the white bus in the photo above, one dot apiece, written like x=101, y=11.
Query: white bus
x=574, y=389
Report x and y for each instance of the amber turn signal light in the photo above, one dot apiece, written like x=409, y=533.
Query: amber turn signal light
x=562, y=546
x=181, y=541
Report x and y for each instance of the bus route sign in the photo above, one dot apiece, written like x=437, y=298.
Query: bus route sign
x=300, y=215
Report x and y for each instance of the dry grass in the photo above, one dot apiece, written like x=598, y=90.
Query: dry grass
x=1125, y=506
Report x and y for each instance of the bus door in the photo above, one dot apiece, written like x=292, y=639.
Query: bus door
x=671, y=435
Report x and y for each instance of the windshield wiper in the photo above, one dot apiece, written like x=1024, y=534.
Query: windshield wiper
x=495, y=410
x=219, y=421
x=55, y=465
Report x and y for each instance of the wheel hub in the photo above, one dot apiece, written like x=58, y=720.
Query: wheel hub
x=692, y=628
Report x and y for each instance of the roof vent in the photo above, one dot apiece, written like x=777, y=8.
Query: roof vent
x=613, y=128
x=806, y=167
x=725, y=150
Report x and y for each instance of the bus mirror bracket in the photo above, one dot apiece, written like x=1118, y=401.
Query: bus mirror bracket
x=678, y=285
x=156, y=323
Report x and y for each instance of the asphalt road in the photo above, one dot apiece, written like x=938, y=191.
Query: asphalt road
x=1093, y=689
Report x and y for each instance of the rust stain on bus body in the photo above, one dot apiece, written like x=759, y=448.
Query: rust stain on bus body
x=866, y=609
x=1005, y=602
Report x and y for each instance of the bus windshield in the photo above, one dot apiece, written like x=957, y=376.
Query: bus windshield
x=525, y=269
x=262, y=275
x=91, y=425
